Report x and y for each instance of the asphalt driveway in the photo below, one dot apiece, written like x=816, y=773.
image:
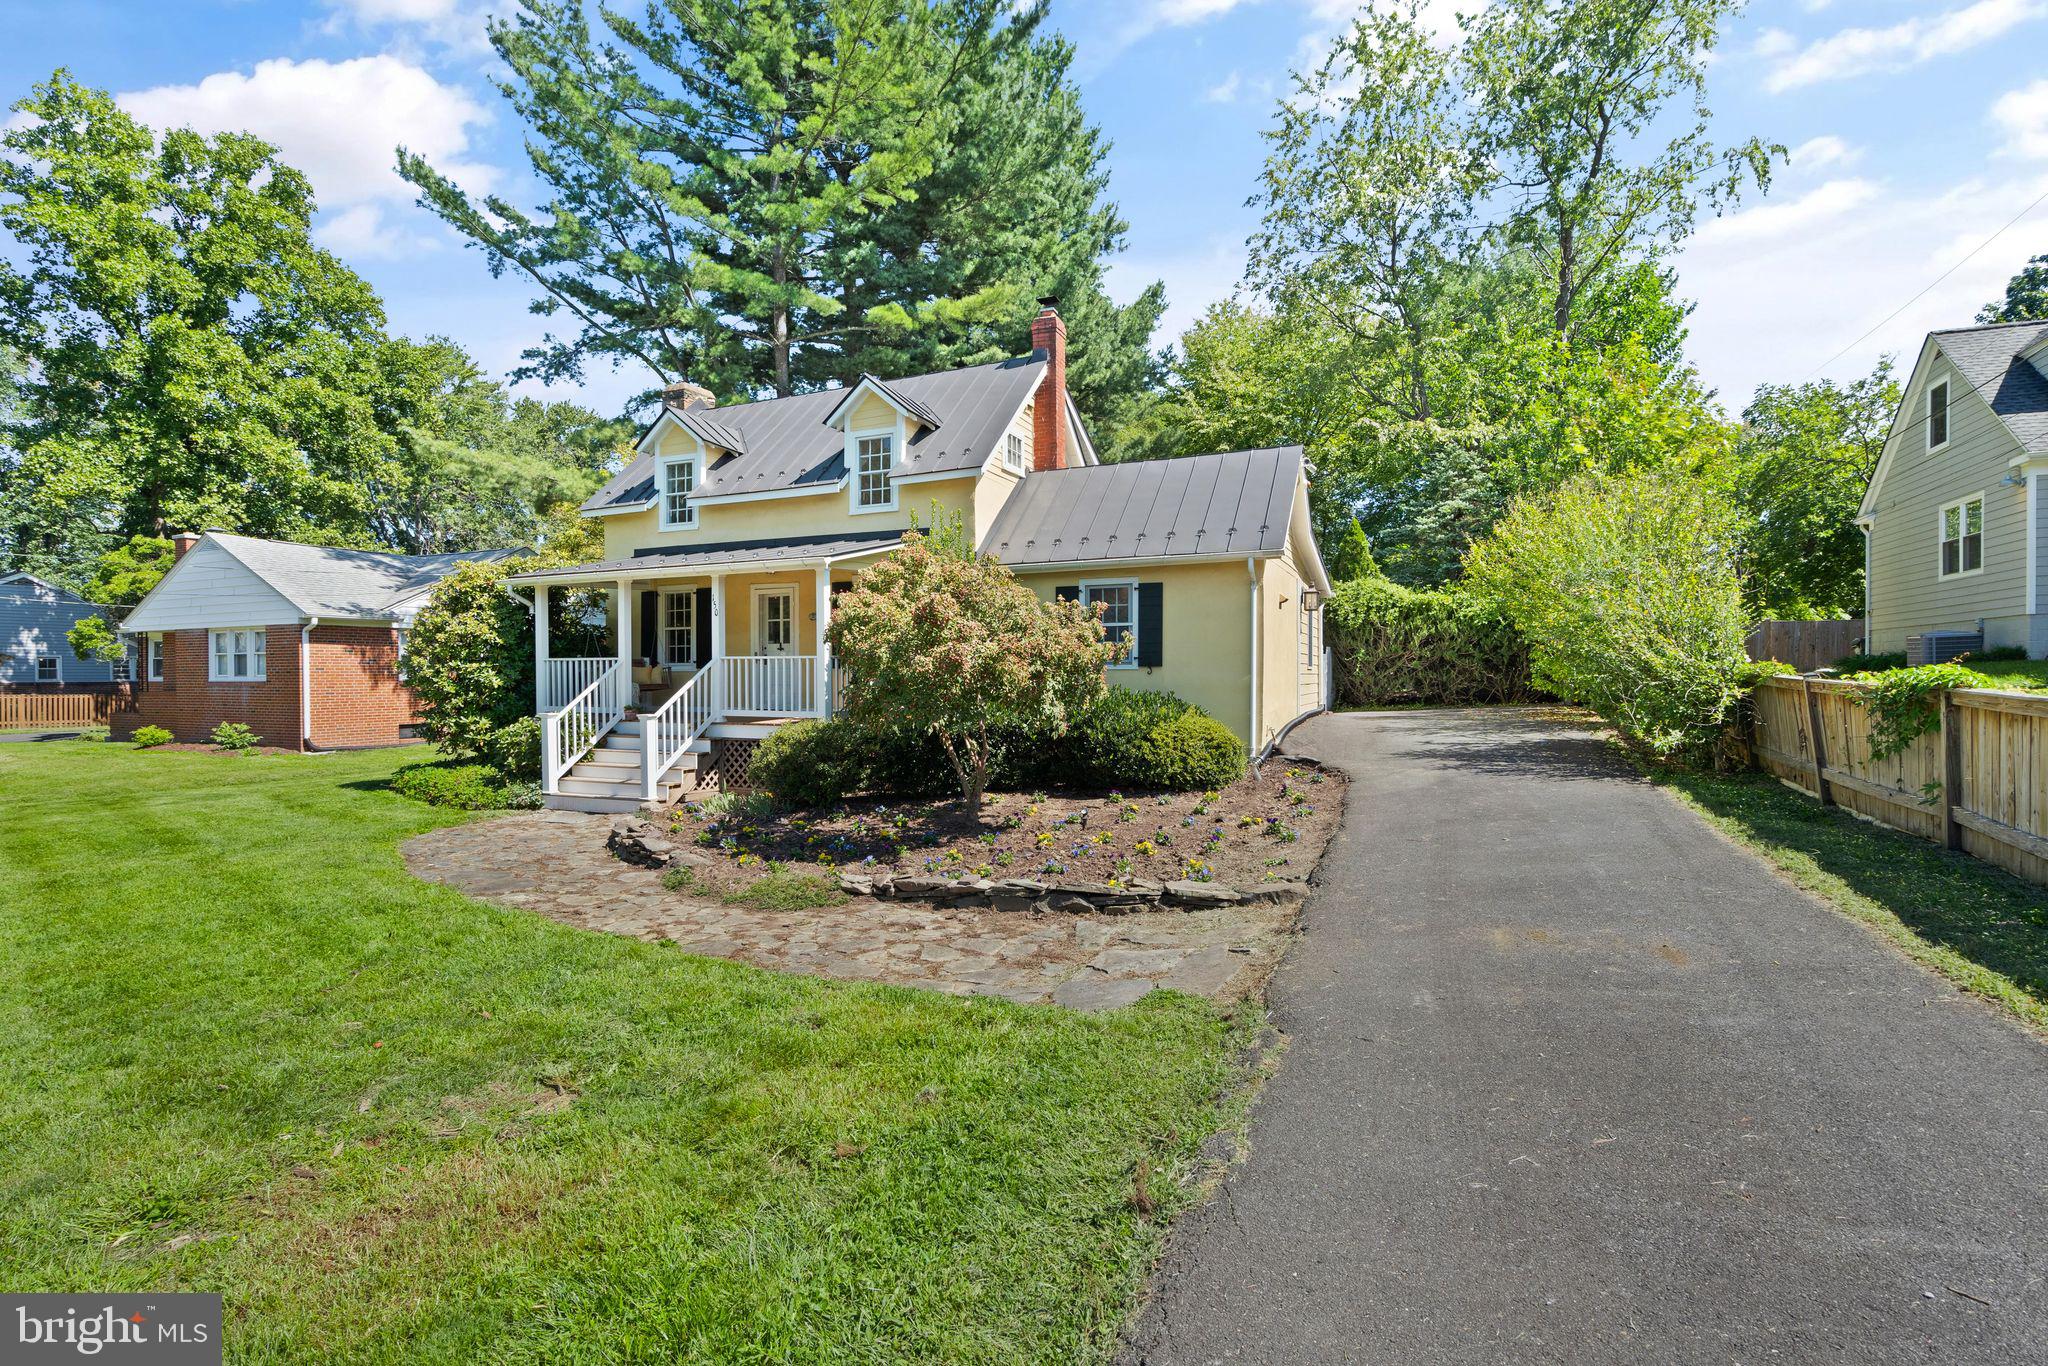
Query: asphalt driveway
x=1571, y=1078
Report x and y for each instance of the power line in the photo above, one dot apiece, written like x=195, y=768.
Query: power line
x=2038, y=201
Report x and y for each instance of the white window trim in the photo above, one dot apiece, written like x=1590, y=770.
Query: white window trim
x=1941, y=535
x=1948, y=414
x=757, y=638
x=897, y=444
x=661, y=469
x=1130, y=659
x=690, y=661
x=259, y=662
x=56, y=669
x=153, y=657
x=1015, y=441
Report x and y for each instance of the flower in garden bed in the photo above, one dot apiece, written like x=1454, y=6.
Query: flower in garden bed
x=1145, y=849
x=1197, y=871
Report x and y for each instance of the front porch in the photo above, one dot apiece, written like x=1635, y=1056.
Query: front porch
x=694, y=658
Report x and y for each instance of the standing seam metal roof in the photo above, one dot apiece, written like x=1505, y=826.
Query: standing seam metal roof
x=788, y=445
x=1235, y=503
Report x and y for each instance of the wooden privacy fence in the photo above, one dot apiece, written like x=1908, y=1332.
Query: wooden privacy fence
x=71, y=707
x=1980, y=784
x=1805, y=645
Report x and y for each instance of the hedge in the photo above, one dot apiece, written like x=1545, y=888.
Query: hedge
x=1395, y=645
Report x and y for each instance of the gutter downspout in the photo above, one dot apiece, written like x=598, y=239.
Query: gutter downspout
x=306, y=683
x=1251, y=569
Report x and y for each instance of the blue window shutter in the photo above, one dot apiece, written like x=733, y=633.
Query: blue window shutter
x=649, y=648
x=1151, y=614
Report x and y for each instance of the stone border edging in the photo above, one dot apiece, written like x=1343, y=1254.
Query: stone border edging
x=645, y=843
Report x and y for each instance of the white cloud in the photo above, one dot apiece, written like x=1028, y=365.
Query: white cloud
x=1775, y=305
x=364, y=232
x=2023, y=116
x=1225, y=90
x=1856, y=51
x=339, y=122
x=457, y=24
x=1825, y=150
x=1769, y=222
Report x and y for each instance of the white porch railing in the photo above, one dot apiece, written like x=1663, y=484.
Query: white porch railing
x=767, y=685
x=565, y=678
x=673, y=727
x=572, y=731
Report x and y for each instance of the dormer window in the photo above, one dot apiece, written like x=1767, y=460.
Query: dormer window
x=1013, y=453
x=678, y=481
x=875, y=483
x=1937, y=415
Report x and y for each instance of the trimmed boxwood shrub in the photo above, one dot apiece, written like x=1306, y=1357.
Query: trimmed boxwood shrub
x=149, y=737
x=810, y=763
x=1397, y=645
x=470, y=787
x=1191, y=752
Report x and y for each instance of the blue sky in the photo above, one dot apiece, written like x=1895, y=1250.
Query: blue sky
x=1919, y=130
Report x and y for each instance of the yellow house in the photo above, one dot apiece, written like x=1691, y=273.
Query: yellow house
x=729, y=532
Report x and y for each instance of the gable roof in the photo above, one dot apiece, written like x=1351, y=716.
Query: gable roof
x=1992, y=359
x=901, y=402
x=27, y=582
x=788, y=446
x=1234, y=503
x=329, y=582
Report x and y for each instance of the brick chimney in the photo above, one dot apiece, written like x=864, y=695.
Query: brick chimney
x=181, y=543
x=1049, y=409
x=683, y=396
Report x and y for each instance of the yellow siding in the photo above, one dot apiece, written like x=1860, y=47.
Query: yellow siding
x=871, y=414
x=820, y=514
x=1206, y=650
x=1279, y=647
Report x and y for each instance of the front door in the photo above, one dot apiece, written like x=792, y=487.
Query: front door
x=774, y=621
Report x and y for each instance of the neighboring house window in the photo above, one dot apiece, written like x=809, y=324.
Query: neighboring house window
x=678, y=480
x=1013, y=452
x=679, y=628
x=1937, y=415
x=875, y=487
x=238, y=656
x=46, y=669
x=1119, y=614
x=156, y=659
x=1962, y=537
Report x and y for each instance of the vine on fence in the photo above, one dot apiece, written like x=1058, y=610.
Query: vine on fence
x=1905, y=704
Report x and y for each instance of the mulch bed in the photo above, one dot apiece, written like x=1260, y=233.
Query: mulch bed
x=1268, y=826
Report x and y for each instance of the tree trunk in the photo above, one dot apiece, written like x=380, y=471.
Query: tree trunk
x=778, y=327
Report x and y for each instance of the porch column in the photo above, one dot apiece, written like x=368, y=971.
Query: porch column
x=717, y=644
x=627, y=693
x=540, y=649
x=824, y=661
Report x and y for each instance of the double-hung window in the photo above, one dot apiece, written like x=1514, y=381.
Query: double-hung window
x=237, y=656
x=874, y=478
x=679, y=628
x=1962, y=537
x=1937, y=415
x=155, y=647
x=1119, y=603
x=1013, y=452
x=678, y=481
x=47, y=669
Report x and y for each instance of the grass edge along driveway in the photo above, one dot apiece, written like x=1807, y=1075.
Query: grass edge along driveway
x=247, y=1052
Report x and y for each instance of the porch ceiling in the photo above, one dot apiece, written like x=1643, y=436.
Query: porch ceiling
x=787, y=552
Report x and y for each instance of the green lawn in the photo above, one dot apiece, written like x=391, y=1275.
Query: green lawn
x=245, y=1051
x=2032, y=671
x=1981, y=927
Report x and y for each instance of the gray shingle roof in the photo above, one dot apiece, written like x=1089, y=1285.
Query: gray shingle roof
x=1989, y=359
x=789, y=446
x=780, y=550
x=1237, y=503
x=323, y=581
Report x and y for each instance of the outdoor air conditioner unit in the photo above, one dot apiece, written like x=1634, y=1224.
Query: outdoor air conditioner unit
x=1938, y=647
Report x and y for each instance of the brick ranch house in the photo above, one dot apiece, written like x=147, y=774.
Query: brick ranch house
x=298, y=642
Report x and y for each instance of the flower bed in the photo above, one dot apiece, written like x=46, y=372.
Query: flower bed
x=1258, y=838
